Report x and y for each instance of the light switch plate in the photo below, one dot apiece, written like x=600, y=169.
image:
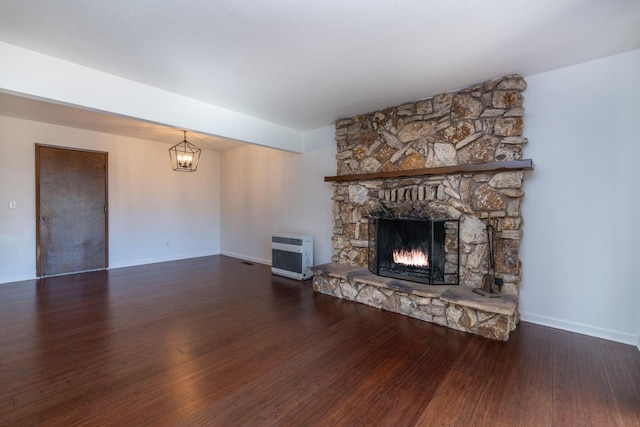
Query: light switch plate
x=12, y=204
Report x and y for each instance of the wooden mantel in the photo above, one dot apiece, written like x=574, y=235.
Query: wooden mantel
x=526, y=164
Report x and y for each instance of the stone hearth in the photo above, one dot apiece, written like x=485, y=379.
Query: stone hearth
x=456, y=307
x=472, y=127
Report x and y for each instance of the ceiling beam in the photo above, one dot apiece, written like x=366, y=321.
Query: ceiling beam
x=39, y=76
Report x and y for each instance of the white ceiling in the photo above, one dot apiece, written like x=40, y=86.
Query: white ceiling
x=305, y=63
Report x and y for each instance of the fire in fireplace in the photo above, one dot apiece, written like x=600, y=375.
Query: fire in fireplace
x=413, y=257
x=420, y=250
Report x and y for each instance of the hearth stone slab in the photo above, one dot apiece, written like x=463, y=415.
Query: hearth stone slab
x=362, y=275
x=456, y=307
x=505, y=304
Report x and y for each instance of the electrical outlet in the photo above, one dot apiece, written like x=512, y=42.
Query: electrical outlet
x=252, y=243
x=12, y=204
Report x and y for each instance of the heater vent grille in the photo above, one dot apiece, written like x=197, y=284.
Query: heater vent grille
x=292, y=255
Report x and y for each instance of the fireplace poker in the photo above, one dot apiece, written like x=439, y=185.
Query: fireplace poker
x=488, y=280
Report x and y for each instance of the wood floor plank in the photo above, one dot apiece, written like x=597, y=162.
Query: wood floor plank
x=500, y=373
x=215, y=341
x=598, y=401
x=568, y=403
x=621, y=386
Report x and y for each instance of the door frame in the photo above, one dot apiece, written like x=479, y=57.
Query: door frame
x=106, y=201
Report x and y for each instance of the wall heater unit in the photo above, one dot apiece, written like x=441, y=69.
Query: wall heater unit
x=292, y=255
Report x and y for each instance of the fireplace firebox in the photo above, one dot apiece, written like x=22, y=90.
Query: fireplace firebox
x=419, y=250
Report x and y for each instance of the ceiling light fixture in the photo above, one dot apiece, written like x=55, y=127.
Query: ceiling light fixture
x=184, y=156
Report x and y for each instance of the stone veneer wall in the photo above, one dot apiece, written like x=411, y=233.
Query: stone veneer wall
x=479, y=124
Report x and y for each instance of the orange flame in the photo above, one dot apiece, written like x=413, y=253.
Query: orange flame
x=413, y=257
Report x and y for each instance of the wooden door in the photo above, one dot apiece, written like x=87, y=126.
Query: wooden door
x=71, y=209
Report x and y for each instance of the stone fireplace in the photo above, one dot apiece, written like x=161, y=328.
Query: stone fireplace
x=454, y=160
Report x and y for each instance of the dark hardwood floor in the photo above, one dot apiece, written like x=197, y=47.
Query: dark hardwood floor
x=214, y=341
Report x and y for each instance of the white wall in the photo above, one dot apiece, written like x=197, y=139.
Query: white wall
x=149, y=204
x=581, y=210
x=266, y=191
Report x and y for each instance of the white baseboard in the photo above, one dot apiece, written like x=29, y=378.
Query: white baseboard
x=13, y=279
x=582, y=329
x=140, y=262
x=162, y=259
x=247, y=258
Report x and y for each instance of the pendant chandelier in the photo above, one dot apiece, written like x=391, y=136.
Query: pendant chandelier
x=184, y=156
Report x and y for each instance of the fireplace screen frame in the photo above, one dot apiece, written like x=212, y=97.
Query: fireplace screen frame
x=442, y=240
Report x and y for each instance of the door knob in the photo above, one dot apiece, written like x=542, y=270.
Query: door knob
x=45, y=218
